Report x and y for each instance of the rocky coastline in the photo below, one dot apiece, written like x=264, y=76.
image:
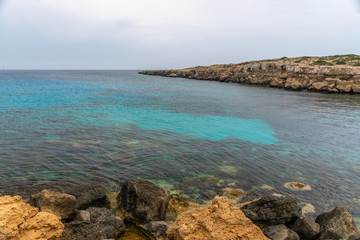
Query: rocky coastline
x=332, y=74
x=143, y=210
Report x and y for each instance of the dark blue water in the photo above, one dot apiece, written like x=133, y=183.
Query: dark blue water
x=192, y=137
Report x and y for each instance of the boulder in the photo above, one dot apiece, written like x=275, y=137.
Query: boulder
x=61, y=204
x=220, y=220
x=142, y=201
x=273, y=210
x=337, y=224
x=280, y=232
x=102, y=225
x=19, y=220
x=87, y=195
x=305, y=228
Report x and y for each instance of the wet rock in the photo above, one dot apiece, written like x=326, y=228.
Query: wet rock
x=337, y=224
x=220, y=220
x=19, y=220
x=142, y=201
x=280, y=232
x=272, y=210
x=233, y=193
x=102, y=225
x=178, y=204
x=305, y=228
x=61, y=204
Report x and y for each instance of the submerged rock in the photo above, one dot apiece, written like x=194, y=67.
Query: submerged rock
x=272, y=210
x=220, y=220
x=142, y=201
x=178, y=204
x=337, y=224
x=19, y=220
x=102, y=225
x=280, y=232
x=297, y=186
x=61, y=204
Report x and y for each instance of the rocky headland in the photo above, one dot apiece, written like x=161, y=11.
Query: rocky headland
x=142, y=210
x=332, y=74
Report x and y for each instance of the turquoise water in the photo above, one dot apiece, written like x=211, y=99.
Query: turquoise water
x=192, y=137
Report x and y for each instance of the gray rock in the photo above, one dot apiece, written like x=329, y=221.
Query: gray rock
x=280, y=232
x=61, y=204
x=142, y=201
x=102, y=225
x=82, y=216
x=305, y=228
x=337, y=224
x=157, y=228
x=273, y=210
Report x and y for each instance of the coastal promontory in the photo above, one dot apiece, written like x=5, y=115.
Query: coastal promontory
x=331, y=74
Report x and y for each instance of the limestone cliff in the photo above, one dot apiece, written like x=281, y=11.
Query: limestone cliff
x=333, y=74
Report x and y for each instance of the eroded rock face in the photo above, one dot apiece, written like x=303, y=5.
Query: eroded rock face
x=272, y=210
x=142, y=201
x=19, y=220
x=220, y=220
x=337, y=224
x=278, y=73
x=61, y=204
x=101, y=225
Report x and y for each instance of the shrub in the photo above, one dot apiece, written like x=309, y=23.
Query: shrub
x=341, y=62
x=322, y=62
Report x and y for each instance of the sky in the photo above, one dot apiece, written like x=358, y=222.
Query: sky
x=162, y=34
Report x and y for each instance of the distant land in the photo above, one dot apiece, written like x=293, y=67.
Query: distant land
x=330, y=74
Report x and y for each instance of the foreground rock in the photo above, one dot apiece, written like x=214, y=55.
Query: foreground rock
x=220, y=220
x=273, y=210
x=322, y=74
x=176, y=205
x=142, y=201
x=19, y=220
x=337, y=224
x=61, y=204
x=93, y=224
x=306, y=229
x=281, y=232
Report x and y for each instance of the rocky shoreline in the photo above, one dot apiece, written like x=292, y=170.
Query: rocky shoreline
x=333, y=74
x=143, y=210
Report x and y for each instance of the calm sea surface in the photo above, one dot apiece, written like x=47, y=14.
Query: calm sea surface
x=188, y=136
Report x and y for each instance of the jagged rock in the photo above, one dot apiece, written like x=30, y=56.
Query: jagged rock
x=220, y=220
x=176, y=205
x=102, y=225
x=19, y=220
x=61, y=204
x=272, y=210
x=142, y=201
x=280, y=232
x=337, y=224
x=305, y=228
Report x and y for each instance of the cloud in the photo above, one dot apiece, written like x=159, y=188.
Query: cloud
x=162, y=33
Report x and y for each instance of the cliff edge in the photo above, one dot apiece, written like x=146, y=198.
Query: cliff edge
x=331, y=74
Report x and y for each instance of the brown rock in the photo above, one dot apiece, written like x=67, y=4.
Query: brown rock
x=220, y=220
x=177, y=205
x=19, y=220
x=281, y=232
x=61, y=204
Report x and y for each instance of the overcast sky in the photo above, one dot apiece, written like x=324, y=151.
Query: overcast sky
x=158, y=34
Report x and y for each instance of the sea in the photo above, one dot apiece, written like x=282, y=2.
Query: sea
x=191, y=137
